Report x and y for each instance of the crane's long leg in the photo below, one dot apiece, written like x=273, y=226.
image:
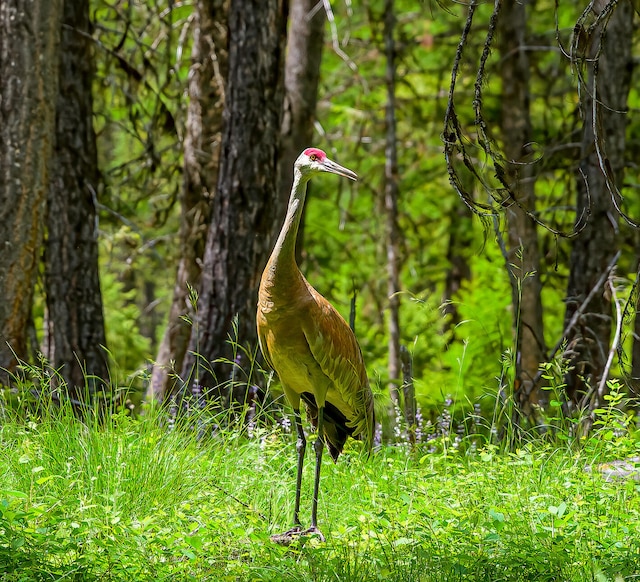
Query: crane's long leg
x=301, y=445
x=318, y=446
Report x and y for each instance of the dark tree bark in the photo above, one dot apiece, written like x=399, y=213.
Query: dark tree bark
x=207, y=78
x=594, y=248
x=523, y=257
x=246, y=206
x=29, y=44
x=301, y=79
x=75, y=336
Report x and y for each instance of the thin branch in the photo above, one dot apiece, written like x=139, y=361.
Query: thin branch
x=595, y=397
x=614, y=344
x=453, y=139
x=335, y=43
x=452, y=133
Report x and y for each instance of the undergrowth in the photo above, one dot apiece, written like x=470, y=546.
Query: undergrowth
x=129, y=499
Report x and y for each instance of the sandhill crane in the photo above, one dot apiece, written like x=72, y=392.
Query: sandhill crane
x=311, y=347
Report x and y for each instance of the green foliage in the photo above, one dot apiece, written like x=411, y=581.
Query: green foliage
x=122, y=325
x=137, y=499
x=142, y=65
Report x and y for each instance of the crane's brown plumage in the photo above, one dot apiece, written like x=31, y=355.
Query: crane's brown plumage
x=310, y=345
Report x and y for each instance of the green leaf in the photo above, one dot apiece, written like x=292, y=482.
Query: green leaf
x=403, y=542
x=561, y=509
x=44, y=479
x=12, y=493
x=195, y=541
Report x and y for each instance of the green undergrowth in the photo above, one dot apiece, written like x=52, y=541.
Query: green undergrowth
x=131, y=500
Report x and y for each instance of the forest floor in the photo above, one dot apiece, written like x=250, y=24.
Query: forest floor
x=131, y=500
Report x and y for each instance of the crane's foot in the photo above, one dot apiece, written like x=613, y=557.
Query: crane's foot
x=286, y=538
x=297, y=533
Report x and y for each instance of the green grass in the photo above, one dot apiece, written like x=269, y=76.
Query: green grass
x=131, y=500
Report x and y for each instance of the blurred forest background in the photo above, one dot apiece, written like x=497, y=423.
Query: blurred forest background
x=488, y=253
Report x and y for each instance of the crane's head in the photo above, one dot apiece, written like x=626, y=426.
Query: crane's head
x=313, y=161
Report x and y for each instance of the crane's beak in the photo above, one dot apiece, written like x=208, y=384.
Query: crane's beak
x=332, y=167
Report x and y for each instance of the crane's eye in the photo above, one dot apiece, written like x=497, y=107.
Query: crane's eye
x=313, y=157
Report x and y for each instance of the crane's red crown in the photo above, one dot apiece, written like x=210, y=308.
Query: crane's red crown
x=315, y=152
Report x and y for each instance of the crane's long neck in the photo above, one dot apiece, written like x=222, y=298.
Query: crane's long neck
x=284, y=252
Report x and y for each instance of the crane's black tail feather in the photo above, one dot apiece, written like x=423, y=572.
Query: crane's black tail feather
x=336, y=430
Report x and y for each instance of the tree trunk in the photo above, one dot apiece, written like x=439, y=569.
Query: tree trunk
x=523, y=258
x=634, y=381
x=75, y=334
x=207, y=78
x=29, y=58
x=391, y=206
x=301, y=79
x=594, y=247
x=246, y=205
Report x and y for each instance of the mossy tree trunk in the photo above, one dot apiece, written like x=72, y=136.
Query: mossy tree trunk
x=29, y=59
x=246, y=207
x=74, y=324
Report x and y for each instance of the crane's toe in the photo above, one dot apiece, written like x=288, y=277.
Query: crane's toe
x=296, y=533
x=314, y=531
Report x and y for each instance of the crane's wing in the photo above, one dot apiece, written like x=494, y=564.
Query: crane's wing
x=335, y=349
x=264, y=346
